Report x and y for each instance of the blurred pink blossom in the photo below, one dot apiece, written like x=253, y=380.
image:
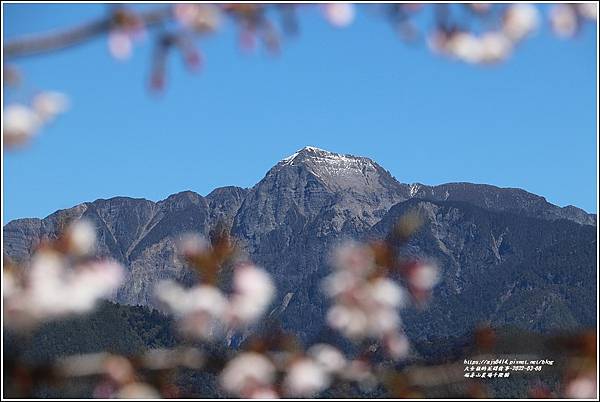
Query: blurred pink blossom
x=137, y=390
x=192, y=244
x=198, y=17
x=363, y=306
x=81, y=236
x=339, y=14
x=582, y=387
x=120, y=44
x=248, y=375
x=353, y=257
x=52, y=288
x=19, y=124
x=49, y=104
x=329, y=357
x=520, y=20
x=423, y=276
x=588, y=10
x=205, y=312
x=199, y=309
x=305, y=378
x=564, y=20
x=253, y=291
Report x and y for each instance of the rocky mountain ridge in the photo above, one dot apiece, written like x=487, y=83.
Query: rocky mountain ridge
x=312, y=200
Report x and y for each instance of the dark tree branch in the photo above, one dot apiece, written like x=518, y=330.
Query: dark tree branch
x=49, y=42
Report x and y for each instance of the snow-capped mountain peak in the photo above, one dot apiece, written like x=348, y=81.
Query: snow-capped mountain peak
x=335, y=169
x=312, y=152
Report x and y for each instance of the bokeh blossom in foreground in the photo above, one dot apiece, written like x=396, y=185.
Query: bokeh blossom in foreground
x=366, y=292
x=21, y=121
x=206, y=311
x=62, y=279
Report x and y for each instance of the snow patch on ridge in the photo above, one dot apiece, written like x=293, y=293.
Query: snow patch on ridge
x=323, y=157
x=338, y=171
x=289, y=159
x=308, y=149
x=414, y=189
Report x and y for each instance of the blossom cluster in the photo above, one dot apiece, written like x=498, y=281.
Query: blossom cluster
x=205, y=312
x=519, y=21
x=366, y=301
x=61, y=279
x=21, y=121
x=297, y=374
x=567, y=19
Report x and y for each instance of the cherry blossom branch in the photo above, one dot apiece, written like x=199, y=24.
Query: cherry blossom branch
x=33, y=45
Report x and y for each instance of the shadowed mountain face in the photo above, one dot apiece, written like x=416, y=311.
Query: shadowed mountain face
x=506, y=256
x=500, y=268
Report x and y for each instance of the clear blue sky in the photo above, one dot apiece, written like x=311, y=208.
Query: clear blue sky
x=528, y=123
